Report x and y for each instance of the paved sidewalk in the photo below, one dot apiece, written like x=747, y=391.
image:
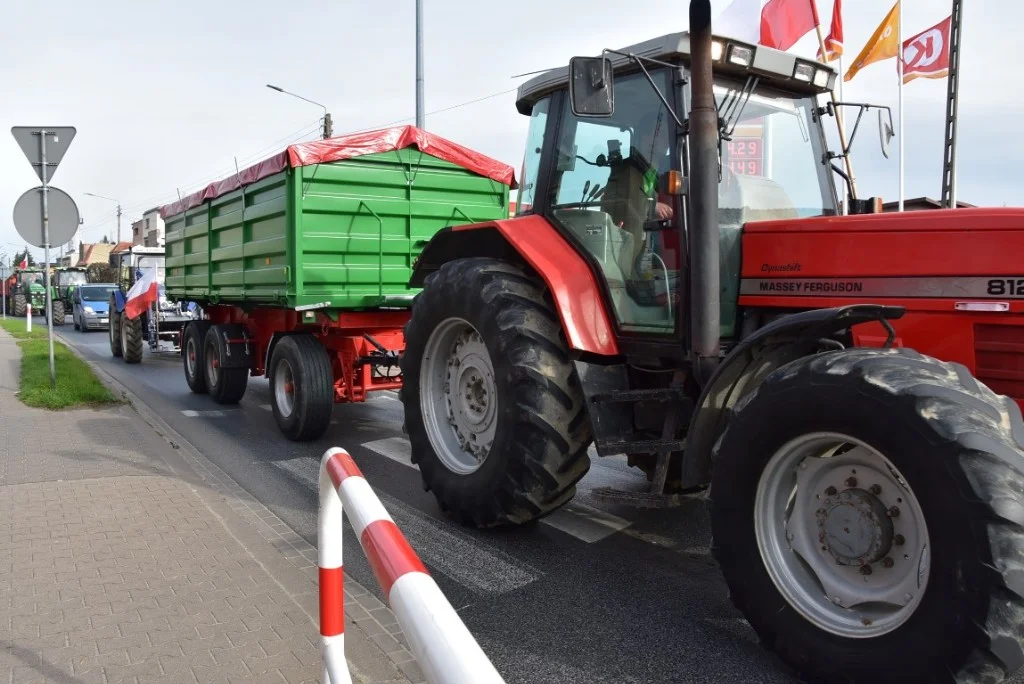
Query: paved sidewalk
x=123, y=559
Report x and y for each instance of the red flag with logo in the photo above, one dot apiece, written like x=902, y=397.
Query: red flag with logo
x=784, y=22
x=834, y=40
x=927, y=54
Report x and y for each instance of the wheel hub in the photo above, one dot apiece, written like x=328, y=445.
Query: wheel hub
x=855, y=528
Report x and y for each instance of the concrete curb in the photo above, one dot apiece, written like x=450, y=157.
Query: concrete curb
x=371, y=615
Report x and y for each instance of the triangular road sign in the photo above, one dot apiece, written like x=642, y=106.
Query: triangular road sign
x=57, y=140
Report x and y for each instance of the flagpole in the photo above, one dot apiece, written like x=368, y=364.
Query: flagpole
x=839, y=120
x=842, y=121
x=899, y=67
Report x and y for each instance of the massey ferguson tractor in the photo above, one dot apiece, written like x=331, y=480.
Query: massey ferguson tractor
x=679, y=285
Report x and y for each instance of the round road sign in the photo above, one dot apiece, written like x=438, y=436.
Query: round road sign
x=28, y=216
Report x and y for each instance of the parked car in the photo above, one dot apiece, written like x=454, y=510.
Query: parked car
x=92, y=302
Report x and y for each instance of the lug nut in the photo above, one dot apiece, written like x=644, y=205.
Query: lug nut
x=899, y=540
x=887, y=562
x=865, y=569
x=851, y=482
x=876, y=489
x=830, y=491
x=894, y=512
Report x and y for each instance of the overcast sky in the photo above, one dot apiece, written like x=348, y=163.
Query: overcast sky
x=165, y=94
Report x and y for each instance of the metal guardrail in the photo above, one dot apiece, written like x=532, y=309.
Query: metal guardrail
x=444, y=649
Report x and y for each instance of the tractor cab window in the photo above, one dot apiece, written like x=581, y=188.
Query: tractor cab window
x=531, y=160
x=607, y=193
x=73, y=278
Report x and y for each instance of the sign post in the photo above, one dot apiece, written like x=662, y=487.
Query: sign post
x=33, y=142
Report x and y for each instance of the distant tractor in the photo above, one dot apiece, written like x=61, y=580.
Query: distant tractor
x=679, y=286
x=162, y=322
x=65, y=280
x=26, y=287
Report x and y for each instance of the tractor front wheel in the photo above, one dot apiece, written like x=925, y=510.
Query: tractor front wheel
x=867, y=513
x=58, y=312
x=131, y=338
x=114, y=329
x=493, y=408
x=20, y=305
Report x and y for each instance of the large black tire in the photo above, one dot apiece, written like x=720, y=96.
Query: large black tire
x=131, y=338
x=20, y=305
x=225, y=385
x=305, y=361
x=539, y=449
x=192, y=356
x=114, y=329
x=959, y=448
x=58, y=312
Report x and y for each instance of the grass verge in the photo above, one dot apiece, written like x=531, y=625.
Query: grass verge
x=76, y=386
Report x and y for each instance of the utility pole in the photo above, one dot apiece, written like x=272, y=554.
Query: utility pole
x=328, y=129
x=952, y=100
x=419, y=65
x=118, y=202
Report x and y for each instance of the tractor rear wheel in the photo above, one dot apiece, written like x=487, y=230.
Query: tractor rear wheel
x=192, y=356
x=867, y=514
x=301, y=387
x=131, y=338
x=20, y=305
x=493, y=408
x=226, y=385
x=114, y=329
x=58, y=312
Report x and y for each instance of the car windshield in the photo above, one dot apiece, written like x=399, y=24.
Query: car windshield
x=96, y=294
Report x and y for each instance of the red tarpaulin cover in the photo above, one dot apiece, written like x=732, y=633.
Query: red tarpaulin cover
x=347, y=147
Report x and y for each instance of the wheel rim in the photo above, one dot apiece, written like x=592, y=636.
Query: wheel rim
x=458, y=396
x=284, y=388
x=190, y=356
x=212, y=365
x=842, y=535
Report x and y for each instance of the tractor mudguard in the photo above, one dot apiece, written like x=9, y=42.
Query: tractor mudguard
x=780, y=342
x=533, y=241
x=119, y=301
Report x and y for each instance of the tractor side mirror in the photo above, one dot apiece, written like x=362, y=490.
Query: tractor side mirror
x=885, y=132
x=591, y=86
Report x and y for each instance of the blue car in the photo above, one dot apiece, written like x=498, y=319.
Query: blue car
x=91, y=302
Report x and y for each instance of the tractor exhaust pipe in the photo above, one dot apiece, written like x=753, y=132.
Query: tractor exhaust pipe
x=703, y=200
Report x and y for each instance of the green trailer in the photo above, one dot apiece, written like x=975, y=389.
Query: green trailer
x=301, y=264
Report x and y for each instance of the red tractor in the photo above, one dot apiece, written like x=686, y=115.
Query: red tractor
x=679, y=285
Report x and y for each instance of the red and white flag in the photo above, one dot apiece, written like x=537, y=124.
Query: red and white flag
x=834, y=40
x=774, y=23
x=24, y=263
x=927, y=53
x=143, y=293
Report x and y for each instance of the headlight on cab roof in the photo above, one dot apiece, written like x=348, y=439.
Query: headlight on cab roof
x=804, y=72
x=716, y=50
x=741, y=55
x=821, y=78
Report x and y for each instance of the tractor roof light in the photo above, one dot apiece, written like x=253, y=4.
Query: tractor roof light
x=821, y=78
x=717, y=48
x=741, y=55
x=804, y=72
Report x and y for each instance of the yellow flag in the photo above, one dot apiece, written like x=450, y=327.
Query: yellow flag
x=883, y=44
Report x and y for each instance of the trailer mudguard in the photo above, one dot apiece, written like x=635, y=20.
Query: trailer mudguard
x=783, y=340
x=534, y=241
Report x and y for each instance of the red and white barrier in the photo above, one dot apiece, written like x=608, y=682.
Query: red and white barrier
x=445, y=650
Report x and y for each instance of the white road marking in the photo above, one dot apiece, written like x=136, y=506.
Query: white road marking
x=385, y=395
x=266, y=407
x=202, y=414
x=584, y=522
x=444, y=547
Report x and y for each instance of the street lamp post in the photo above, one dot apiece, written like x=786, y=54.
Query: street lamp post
x=111, y=199
x=328, y=130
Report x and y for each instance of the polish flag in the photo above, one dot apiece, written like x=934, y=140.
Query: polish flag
x=774, y=23
x=143, y=293
x=24, y=263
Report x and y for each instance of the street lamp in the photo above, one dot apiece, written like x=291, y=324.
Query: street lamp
x=328, y=128
x=111, y=199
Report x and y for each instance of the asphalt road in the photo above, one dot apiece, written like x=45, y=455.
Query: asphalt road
x=597, y=594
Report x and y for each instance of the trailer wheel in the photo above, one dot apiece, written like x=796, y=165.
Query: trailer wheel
x=226, y=385
x=868, y=516
x=493, y=408
x=20, y=305
x=114, y=329
x=58, y=312
x=131, y=338
x=192, y=356
x=301, y=387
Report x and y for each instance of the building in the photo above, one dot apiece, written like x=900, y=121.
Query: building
x=138, y=234
x=94, y=253
x=153, y=228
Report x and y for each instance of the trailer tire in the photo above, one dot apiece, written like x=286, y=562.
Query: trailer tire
x=58, y=312
x=527, y=460
x=114, y=329
x=192, y=356
x=225, y=385
x=131, y=338
x=301, y=387
x=955, y=451
x=20, y=305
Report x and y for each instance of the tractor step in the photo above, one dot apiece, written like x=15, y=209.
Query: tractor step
x=629, y=396
x=637, y=499
x=646, y=446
